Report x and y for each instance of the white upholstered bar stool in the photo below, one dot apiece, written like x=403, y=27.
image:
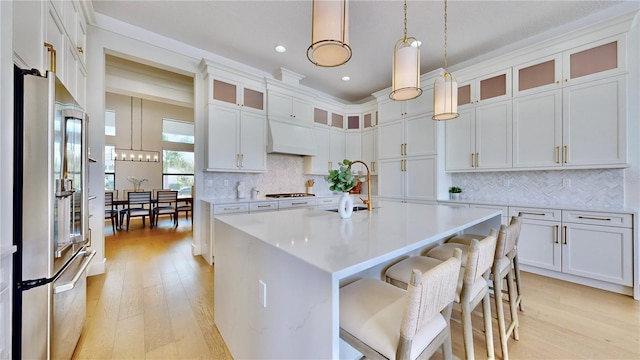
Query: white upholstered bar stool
x=472, y=288
x=385, y=322
x=516, y=224
x=502, y=269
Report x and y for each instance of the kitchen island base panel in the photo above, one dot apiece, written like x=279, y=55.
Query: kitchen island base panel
x=298, y=299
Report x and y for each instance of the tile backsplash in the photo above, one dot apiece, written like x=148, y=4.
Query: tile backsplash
x=285, y=174
x=602, y=188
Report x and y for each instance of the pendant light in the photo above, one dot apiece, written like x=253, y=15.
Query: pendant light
x=406, y=66
x=445, y=88
x=329, y=33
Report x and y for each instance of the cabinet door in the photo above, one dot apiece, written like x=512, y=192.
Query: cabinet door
x=337, y=148
x=594, y=122
x=319, y=164
x=390, y=140
x=420, y=178
x=71, y=70
x=302, y=111
x=55, y=36
x=493, y=135
x=353, y=149
x=539, y=75
x=253, y=147
x=420, y=135
x=595, y=60
x=460, y=141
x=391, y=178
x=252, y=99
x=537, y=130
x=598, y=252
x=539, y=244
x=421, y=105
x=493, y=87
x=223, y=138
x=27, y=35
x=369, y=149
x=390, y=110
x=279, y=105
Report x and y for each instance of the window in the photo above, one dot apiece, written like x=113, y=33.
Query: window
x=110, y=122
x=109, y=168
x=177, y=131
x=177, y=171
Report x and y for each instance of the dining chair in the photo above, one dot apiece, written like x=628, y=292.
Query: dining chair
x=166, y=203
x=472, y=289
x=109, y=210
x=154, y=192
x=138, y=205
x=188, y=207
x=383, y=321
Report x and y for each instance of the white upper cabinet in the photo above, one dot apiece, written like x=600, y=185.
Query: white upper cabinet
x=480, y=138
x=389, y=110
x=62, y=25
x=595, y=60
x=286, y=107
x=330, y=150
x=409, y=137
x=235, y=93
x=236, y=140
x=369, y=145
x=484, y=89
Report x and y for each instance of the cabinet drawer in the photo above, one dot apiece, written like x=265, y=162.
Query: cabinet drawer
x=298, y=203
x=537, y=213
x=230, y=208
x=327, y=201
x=263, y=206
x=598, y=218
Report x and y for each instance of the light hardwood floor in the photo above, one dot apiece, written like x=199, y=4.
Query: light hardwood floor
x=156, y=302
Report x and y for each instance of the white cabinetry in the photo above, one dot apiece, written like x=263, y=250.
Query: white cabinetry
x=389, y=110
x=353, y=146
x=480, y=138
x=408, y=179
x=61, y=25
x=413, y=136
x=236, y=94
x=570, y=108
x=236, y=141
x=485, y=89
x=369, y=156
x=592, y=248
x=331, y=150
x=283, y=106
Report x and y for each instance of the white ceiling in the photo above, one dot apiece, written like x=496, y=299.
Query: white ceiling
x=247, y=31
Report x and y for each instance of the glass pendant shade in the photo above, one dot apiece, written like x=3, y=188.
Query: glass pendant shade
x=445, y=97
x=406, y=70
x=329, y=33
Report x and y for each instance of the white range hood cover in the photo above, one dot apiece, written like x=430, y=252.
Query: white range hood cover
x=288, y=138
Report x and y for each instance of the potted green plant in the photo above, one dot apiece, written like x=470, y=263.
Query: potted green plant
x=343, y=180
x=454, y=192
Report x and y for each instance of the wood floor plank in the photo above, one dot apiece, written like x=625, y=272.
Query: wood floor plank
x=156, y=302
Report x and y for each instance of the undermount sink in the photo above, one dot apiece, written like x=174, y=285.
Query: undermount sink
x=355, y=208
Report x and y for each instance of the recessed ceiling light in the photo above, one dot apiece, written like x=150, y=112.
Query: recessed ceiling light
x=346, y=78
x=280, y=49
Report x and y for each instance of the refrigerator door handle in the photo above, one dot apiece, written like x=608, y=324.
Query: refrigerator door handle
x=69, y=285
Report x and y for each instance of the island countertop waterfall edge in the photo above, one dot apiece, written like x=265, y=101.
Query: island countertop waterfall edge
x=277, y=274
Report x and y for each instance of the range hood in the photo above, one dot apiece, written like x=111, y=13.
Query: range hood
x=289, y=138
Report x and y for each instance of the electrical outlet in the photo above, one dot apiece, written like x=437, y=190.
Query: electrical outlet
x=566, y=183
x=226, y=183
x=262, y=293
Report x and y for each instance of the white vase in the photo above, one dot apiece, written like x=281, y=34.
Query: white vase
x=345, y=205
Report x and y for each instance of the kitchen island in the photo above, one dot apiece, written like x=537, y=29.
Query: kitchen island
x=278, y=274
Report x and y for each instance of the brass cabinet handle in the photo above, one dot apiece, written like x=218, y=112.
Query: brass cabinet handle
x=52, y=57
x=237, y=160
x=532, y=213
x=472, y=163
x=299, y=203
x=557, y=154
x=233, y=208
x=401, y=149
x=373, y=166
x=565, y=235
x=241, y=160
x=477, y=157
x=80, y=49
x=594, y=218
x=264, y=206
x=565, y=153
x=555, y=233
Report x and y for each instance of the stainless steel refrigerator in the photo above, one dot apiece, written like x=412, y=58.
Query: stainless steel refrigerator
x=50, y=218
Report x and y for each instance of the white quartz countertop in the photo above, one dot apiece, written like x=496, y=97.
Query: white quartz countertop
x=218, y=201
x=344, y=247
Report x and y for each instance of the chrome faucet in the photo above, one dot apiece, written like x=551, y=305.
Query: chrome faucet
x=368, y=201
